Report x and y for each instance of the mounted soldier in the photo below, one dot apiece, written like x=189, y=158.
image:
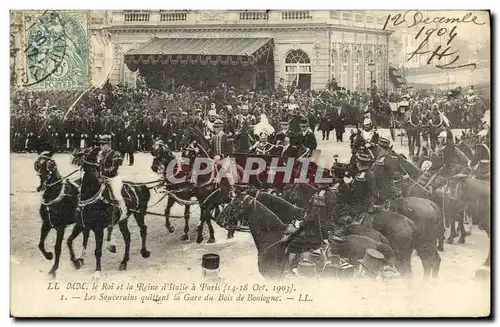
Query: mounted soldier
x=386, y=172
x=109, y=162
x=220, y=149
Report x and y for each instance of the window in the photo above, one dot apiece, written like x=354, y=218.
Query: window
x=298, y=69
x=334, y=14
x=369, y=19
x=334, y=64
x=344, y=74
x=368, y=73
x=358, y=18
x=356, y=82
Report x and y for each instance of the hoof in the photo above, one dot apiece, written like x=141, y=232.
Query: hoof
x=486, y=263
x=48, y=255
x=170, y=229
x=184, y=237
x=52, y=274
x=96, y=277
x=199, y=239
x=80, y=260
x=111, y=248
x=440, y=248
x=461, y=240
x=123, y=266
x=77, y=264
x=145, y=253
x=468, y=233
x=449, y=240
x=230, y=235
x=211, y=240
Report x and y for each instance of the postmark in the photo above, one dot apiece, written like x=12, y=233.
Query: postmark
x=57, y=51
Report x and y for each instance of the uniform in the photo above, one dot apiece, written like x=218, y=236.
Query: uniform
x=386, y=172
x=109, y=161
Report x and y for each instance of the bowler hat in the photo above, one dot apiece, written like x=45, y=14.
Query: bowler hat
x=373, y=260
x=306, y=268
x=104, y=139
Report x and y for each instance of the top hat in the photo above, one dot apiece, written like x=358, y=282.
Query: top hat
x=218, y=123
x=210, y=261
x=384, y=143
x=104, y=139
x=373, y=261
x=336, y=244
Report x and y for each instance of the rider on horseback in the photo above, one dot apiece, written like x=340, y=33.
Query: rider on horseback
x=109, y=161
x=387, y=172
x=220, y=149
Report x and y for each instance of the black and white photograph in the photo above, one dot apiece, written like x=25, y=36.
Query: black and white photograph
x=250, y=163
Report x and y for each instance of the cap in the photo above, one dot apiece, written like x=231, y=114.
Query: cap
x=104, y=139
x=210, y=261
x=363, y=157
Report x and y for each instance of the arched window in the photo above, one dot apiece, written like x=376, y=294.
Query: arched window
x=356, y=79
x=298, y=69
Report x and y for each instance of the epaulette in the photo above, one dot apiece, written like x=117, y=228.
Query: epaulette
x=380, y=161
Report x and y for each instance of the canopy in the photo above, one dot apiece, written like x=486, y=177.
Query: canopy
x=225, y=51
x=397, y=78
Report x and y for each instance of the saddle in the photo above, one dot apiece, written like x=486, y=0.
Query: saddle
x=129, y=195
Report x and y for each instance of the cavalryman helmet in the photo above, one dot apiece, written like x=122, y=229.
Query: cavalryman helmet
x=384, y=143
x=218, y=123
x=104, y=139
x=367, y=122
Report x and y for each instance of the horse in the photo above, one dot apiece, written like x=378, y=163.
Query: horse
x=267, y=231
x=97, y=210
x=209, y=195
x=58, y=207
x=412, y=125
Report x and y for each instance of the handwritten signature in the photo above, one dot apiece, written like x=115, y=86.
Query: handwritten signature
x=416, y=18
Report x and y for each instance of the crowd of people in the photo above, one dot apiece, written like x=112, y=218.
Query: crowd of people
x=135, y=117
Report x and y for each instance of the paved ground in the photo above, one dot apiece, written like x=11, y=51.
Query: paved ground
x=455, y=292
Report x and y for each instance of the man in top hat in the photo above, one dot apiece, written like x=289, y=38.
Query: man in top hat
x=338, y=120
x=109, y=161
x=308, y=139
x=387, y=172
x=220, y=148
x=284, y=132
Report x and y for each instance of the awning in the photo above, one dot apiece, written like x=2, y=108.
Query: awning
x=233, y=51
x=397, y=78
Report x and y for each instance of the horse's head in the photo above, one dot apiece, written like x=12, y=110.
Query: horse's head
x=46, y=167
x=162, y=155
x=234, y=213
x=90, y=164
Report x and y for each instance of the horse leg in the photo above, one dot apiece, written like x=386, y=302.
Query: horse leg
x=44, y=231
x=185, y=236
x=110, y=243
x=170, y=203
x=468, y=218
x=199, y=228
x=99, y=240
x=84, y=246
x=487, y=262
x=426, y=257
x=57, y=250
x=436, y=263
x=453, y=233
x=126, y=237
x=77, y=229
x=460, y=220
x=139, y=219
x=211, y=238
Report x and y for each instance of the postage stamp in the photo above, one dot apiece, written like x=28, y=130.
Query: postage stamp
x=250, y=163
x=57, y=52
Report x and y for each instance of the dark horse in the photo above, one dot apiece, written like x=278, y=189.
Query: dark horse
x=59, y=202
x=412, y=126
x=209, y=194
x=97, y=210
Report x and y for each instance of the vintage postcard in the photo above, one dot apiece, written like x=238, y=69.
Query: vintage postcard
x=250, y=163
